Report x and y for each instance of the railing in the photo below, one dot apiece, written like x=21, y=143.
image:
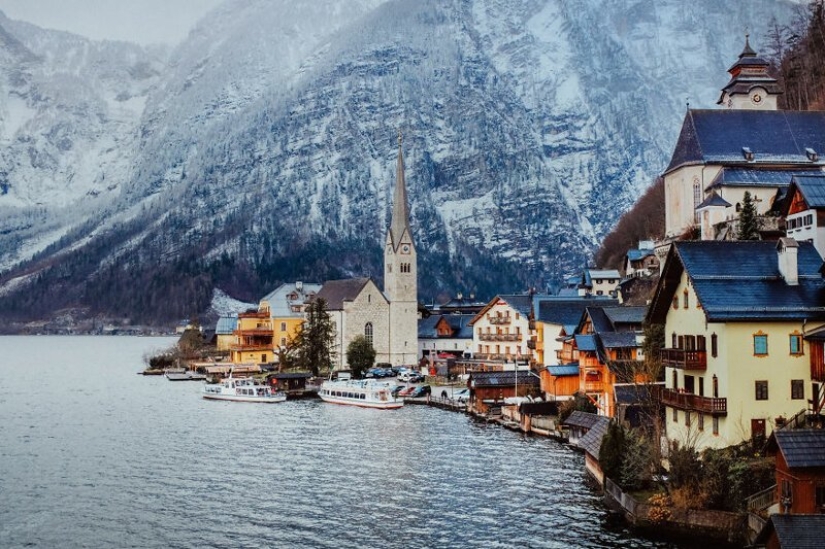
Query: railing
x=251, y=347
x=691, y=402
x=593, y=386
x=510, y=337
x=488, y=356
x=499, y=319
x=685, y=360
x=260, y=331
x=760, y=501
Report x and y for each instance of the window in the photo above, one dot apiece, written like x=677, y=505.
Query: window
x=368, y=332
x=760, y=344
x=761, y=390
x=715, y=425
x=673, y=341
x=714, y=345
x=676, y=302
x=795, y=342
x=701, y=422
x=675, y=379
x=685, y=300
x=675, y=415
x=283, y=326
x=701, y=386
x=687, y=419
x=820, y=497
x=797, y=389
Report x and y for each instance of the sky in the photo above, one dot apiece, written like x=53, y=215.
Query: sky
x=141, y=21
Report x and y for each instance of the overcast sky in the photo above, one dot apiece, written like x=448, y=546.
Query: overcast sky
x=142, y=21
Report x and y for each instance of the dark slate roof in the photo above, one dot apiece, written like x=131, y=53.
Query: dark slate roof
x=521, y=303
x=638, y=255
x=564, y=370
x=626, y=315
x=812, y=188
x=601, y=323
x=502, y=379
x=802, y=447
x=338, y=291
x=717, y=136
x=581, y=419
x=591, y=442
x=567, y=311
x=618, y=340
x=740, y=281
x=755, y=177
x=586, y=342
x=426, y=327
x=795, y=531
x=462, y=329
x=713, y=200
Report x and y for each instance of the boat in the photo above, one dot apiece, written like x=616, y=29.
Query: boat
x=367, y=393
x=242, y=389
x=182, y=374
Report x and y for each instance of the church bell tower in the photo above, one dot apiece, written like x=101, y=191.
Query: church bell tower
x=401, y=275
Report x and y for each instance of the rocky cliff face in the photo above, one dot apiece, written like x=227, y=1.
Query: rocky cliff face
x=529, y=126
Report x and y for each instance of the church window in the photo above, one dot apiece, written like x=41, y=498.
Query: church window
x=685, y=299
x=368, y=332
x=389, y=268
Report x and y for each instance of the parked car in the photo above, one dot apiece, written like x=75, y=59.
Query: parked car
x=421, y=391
x=410, y=377
x=405, y=392
x=397, y=390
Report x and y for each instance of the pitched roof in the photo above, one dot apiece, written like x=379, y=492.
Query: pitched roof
x=740, y=281
x=626, y=314
x=585, y=342
x=802, y=447
x=226, y=325
x=591, y=442
x=618, y=340
x=335, y=292
x=283, y=298
x=426, y=327
x=502, y=379
x=713, y=200
x=717, y=136
x=564, y=370
x=521, y=303
x=581, y=419
x=636, y=393
x=770, y=177
x=567, y=311
x=794, y=531
x=812, y=188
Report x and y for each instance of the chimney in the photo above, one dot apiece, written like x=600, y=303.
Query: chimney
x=786, y=251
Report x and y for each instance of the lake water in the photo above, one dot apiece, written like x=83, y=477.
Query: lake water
x=93, y=455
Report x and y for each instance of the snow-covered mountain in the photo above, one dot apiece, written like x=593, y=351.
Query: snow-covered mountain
x=529, y=126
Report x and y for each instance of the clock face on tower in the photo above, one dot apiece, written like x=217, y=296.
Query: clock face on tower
x=405, y=248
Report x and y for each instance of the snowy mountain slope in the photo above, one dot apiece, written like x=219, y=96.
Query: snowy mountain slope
x=529, y=126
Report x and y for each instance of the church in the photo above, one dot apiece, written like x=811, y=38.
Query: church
x=746, y=145
x=389, y=318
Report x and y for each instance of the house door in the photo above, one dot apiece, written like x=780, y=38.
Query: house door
x=757, y=429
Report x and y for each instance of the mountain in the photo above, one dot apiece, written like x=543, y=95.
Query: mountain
x=262, y=149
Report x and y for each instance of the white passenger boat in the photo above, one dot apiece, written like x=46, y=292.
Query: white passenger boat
x=367, y=393
x=242, y=389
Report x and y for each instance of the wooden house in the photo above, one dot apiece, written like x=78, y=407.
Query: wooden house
x=792, y=532
x=489, y=389
x=800, y=470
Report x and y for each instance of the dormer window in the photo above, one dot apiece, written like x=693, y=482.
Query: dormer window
x=812, y=156
x=747, y=153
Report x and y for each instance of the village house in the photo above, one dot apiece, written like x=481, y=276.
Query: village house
x=746, y=146
x=501, y=332
x=286, y=305
x=735, y=316
x=489, y=390
x=804, y=210
x=557, y=317
x=253, y=338
x=225, y=332
x=445, y=336
x=800, y=470
x=641, y=261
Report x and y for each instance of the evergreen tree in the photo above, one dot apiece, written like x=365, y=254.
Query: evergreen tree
x=360, y=356
x=314, y=338
x=612, y=451
x=748, y=220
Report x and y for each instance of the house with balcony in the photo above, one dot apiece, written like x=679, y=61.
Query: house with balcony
x=557, y=317
x=735, y=316
x=445, y=336
x=501, y=332
x=804, y=210
x=286, y=305
x=253, y=338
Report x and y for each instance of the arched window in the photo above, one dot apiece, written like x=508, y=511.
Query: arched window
x=368, y=332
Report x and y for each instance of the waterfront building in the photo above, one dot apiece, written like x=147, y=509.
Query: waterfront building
x=736, y=316
x=445, y=335
x=286, y=305
x=253, y=338
x=490, y=389
x=557, y=317
x=225, y=332
x=501, y=332
x=748, y=145
x=388, y=319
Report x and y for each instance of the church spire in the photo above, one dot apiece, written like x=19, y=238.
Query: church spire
x=400, y=210
x=751, y=86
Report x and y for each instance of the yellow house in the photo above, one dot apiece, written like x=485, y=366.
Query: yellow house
x=253, y=338
x=286, y=305
x=735, y=316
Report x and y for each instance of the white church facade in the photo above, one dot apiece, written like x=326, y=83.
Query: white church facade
x=388, y=318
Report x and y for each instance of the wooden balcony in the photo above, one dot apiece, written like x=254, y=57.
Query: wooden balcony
x=499, y=319
x=531, y=344
x=510, y=337
x=593, y=386
x=251, y=347
x=817, y=371
x=685, y=360
x=695, y=403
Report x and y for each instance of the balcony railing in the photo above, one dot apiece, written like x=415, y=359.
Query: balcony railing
x=593, y=386
x=499, y=319
x=499, y=337
x=249, y=347
x=695, y=403
x=685, y=360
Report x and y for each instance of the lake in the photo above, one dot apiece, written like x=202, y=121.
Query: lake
x=94, y=455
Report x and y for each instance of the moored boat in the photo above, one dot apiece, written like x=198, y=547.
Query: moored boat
x=182, y=374
x=367, y=393
x=242, y=389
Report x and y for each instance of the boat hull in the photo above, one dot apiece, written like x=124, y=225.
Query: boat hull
x=362, y=393
x=241, y=398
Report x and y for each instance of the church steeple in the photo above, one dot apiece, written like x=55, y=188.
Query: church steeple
x=750, y=86
x=400, y=223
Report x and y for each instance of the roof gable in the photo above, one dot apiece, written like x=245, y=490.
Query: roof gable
x=802, y=448
x=336, y=292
